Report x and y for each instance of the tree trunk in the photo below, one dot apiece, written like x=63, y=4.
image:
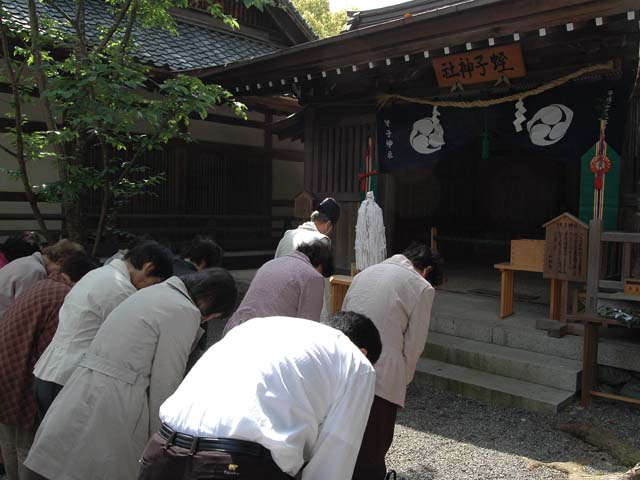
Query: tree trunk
x=20, y=150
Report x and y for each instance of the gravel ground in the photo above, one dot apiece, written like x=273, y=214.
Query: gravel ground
x=441, y=435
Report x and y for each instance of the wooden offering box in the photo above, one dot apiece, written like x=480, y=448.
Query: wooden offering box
x=527, y=254
x=632, y=286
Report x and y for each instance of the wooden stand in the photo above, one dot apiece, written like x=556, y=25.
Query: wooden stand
x=339, y=286
x=590, y=358
x=559, y=291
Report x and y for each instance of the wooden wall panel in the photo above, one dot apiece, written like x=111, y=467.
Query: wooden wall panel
x=335, y=146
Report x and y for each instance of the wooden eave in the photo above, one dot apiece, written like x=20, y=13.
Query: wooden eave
x=473, y=21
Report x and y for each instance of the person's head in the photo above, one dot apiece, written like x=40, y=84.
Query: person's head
x=55, y=255
x=426, y=262
x=213, y=290
x=77, y=266
x=319, y=254
x=18, y=246
x=326, y=216
x=361, y=331
x=203, y=253
x=149, y=263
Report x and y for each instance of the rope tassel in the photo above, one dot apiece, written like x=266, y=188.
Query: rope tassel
x=371, y=244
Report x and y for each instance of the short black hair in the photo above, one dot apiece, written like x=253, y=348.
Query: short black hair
x=319, y=253
x=360, y=330
x=150, y=251
x=422, y=256
x=77, y=266
x=17, y=247
x=203, y=249
x=213, y=287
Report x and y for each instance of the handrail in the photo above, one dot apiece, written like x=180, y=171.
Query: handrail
x=620, y=237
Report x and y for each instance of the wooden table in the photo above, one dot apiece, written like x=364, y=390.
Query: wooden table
x=339, y=286
x=558, y=299
x=590, y=357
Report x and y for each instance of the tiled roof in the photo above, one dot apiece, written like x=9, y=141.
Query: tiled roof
x=367, y=18
x=193, y=47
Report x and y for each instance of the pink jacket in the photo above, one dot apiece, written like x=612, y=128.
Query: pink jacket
x=286, y=286
x=398, y=300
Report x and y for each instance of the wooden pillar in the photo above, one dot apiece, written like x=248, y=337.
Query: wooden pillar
x=267, y=168
x=387, y=189
x=309, y=142
x=589, y=361
x=593, y=268
x=181, y=176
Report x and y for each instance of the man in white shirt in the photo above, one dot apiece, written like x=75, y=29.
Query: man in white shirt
x=87, y=306
x=275, y=398
x=317, y=228
x=397, y=295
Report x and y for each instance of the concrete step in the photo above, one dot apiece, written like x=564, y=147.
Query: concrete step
x=479, y=326
x=523, y=365
x=491, y=388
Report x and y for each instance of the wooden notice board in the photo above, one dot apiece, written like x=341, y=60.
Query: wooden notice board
x=566, y=249
x=479, y=66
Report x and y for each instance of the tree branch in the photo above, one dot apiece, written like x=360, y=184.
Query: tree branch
x=127, y=33
x=81, y=28
x=61, y=11
x=114, y=27
x=9, y=151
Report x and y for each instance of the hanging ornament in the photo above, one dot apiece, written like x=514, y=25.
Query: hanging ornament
x=371, y=244
x=601, y=164
x=367, y=178
x=520, y=117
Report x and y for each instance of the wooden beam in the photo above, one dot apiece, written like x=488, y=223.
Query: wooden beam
x=30, y=126
x=228, y=120
x=429, y=31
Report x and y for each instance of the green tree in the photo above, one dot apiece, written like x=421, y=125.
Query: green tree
x=95, y=95
x=320, y=17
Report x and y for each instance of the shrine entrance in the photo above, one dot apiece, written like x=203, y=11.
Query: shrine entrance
x=477, y=206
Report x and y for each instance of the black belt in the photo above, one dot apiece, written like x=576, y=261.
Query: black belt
x=207, y=444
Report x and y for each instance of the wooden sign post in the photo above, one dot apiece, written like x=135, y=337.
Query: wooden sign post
x=303, y=205
x=565, y=258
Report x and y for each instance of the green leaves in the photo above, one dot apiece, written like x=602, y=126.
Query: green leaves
x=108, y=108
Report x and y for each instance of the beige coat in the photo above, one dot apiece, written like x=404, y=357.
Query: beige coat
x=398, y=300
x=101, y=421
x=18, y=276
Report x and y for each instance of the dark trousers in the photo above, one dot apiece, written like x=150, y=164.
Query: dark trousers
x=46, y=393
x=163, y=461
x=376, y=441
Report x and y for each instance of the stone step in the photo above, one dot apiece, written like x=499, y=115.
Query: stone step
x=531, y=367
x=482, y=327
x=491, y=388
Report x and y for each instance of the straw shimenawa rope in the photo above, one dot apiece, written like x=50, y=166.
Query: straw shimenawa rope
x=386, y=98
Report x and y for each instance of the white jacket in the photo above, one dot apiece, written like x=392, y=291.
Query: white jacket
x=84, y=310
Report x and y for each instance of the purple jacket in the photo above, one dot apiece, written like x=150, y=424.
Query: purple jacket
x=286, y=286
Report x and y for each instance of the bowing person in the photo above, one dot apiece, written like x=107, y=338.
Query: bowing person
x=289, y=286
x=87, y=306
x=276, y=398
x=100, y=423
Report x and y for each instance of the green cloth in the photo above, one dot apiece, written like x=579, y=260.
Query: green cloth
x=611, y=189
